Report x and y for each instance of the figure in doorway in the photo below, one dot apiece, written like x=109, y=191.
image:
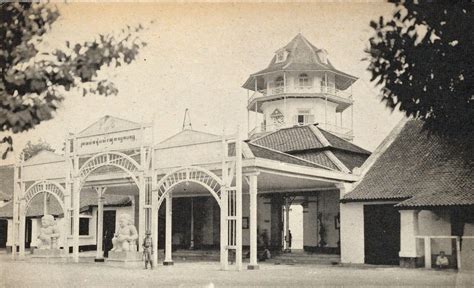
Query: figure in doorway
x=125, y=238
x=49, y=233
x=262, y=243
x=442, y=262
x=148, y=250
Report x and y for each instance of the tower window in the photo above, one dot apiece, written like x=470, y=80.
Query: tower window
x=279, y=82
x=304, y=117
x=303, y=80
x=281, y=56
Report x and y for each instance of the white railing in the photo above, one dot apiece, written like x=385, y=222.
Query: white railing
x=301, y=90
x=345, y=133
x=428, y=251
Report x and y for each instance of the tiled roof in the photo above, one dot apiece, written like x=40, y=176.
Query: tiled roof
x=302, y=56
x=342, y=144
x=319, y=157
x=297, y=138
x=349, y=159
x=88, y=199
x=425, y=169
x=456, y=198
x=304, y=142
x=6, y=182
x=263, y=152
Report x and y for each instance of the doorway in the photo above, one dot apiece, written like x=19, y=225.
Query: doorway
x=3, y=232
x=295, y=227
x=108, y=231
x=381, y=234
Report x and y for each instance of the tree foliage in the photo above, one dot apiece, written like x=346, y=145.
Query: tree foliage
x=31, y=149
x=423, y=59
x=33, y=82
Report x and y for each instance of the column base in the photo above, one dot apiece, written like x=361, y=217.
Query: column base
x=99, y=260
x=168, y=263
x=253, y=267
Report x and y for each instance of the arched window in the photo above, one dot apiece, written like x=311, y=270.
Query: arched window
x=279, y=85
x=279, y=82
x=303, y=80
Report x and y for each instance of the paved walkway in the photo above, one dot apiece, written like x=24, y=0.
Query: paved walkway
x=204, y=274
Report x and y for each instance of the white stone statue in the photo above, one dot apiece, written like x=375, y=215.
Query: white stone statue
x=126, y=236
x=49, y=233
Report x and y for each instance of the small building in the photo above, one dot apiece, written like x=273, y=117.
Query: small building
x=414, y=200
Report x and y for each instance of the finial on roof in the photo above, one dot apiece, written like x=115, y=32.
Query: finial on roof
x=187, y=124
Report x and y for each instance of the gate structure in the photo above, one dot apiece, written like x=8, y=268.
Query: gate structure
x=228, y=197
x=116, y=159
x=23, y=203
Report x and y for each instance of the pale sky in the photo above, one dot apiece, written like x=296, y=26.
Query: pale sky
x=199, y=55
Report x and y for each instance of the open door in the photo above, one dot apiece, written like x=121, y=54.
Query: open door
x=382, y=234
x=108, y=231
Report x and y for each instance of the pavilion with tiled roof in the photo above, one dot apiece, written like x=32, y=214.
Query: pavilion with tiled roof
x=423, y=185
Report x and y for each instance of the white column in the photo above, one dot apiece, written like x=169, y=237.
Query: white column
x=22, y=232
x=154, y=224
x=427, y=252
x=16, y=195
x=76, y=197
x=253, y=222
x=100, y=223
x=238, y=185
x=224, y=212
x=408, y=232
x=141, y=211
x=169, y=230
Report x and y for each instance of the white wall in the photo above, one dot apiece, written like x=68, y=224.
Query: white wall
x=352, y=233
x=317, y=106
x=436, y=224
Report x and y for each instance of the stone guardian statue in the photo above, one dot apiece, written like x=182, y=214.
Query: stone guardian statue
x=49, y=233
x=126, y=236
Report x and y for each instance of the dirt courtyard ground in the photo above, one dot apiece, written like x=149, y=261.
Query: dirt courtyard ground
x=205, y=274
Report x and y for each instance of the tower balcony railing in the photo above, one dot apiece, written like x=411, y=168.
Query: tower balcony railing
x=329, y=90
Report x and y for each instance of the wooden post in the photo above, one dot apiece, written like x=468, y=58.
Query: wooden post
x=169, y=230
x=238, y=185
x=253, y=222
x=287, y=221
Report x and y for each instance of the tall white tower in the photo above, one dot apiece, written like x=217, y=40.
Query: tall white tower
x=299, y=87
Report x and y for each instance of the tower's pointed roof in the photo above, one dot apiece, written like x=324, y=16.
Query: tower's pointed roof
x=302, y=56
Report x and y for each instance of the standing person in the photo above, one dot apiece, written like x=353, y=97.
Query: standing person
x=148, y=250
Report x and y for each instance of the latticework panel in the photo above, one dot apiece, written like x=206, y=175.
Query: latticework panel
x=112, y=158
x=192, y=174
x=42, y=187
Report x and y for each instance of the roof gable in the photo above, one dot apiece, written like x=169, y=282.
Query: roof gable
x=188, y=137
x=108, y=124
x=44, y=156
